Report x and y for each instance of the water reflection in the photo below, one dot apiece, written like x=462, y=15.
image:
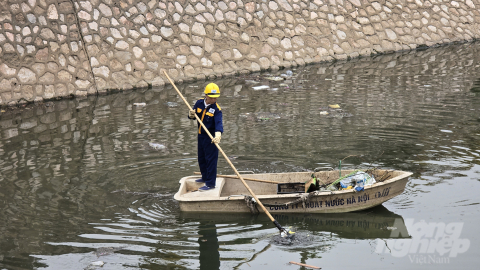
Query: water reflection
x=313, y=232
x=209, y=255
x=210, y=241
x=374, y=223
x=81, y=174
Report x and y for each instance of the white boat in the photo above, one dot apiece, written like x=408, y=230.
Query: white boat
x=230, y=193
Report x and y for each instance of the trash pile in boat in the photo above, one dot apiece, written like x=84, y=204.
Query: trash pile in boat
x=357, y=180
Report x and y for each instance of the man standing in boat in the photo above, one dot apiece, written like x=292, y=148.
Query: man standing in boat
x=210, y=114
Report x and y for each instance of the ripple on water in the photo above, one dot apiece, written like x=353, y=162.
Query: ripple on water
x=296, y=239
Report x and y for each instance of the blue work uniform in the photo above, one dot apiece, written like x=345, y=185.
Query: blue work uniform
x=211, y=117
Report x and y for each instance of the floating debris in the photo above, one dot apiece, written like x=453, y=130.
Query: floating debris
x=264, y=116
x=261, y=87
x=275, y=79
x=334, y=106
x=140, y=104
x=246, y=115
x=391, y=228
x=305, y=265
x=334, y=113
x=95, y=265
x=171, y=104
x=157, y=146
x=289, y=73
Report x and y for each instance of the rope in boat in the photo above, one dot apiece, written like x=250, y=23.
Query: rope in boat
x=304, y=198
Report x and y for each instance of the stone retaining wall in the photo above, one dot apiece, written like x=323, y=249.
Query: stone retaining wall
x=55, y=48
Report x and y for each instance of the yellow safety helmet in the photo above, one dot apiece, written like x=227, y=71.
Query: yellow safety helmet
x=212, y=90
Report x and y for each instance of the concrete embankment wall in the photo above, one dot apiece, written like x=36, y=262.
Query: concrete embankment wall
x=55, y=48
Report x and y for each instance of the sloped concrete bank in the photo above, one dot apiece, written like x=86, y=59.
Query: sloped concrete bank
x=57, y=48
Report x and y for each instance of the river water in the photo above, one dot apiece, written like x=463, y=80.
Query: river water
x=93, y=179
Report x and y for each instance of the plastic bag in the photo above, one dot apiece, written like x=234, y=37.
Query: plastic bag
x=347, y=182
x=359, y=181
x=359, y=186
x=363, y=179
x=332, y=188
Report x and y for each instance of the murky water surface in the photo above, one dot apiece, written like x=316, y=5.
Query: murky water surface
x=88, y=180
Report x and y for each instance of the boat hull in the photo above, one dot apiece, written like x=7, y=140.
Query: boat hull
x=323, y=202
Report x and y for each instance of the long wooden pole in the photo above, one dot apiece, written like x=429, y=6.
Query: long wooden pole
x=282, y=230
x=245, y=178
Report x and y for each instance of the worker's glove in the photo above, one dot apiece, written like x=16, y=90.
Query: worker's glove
x=191, y=114
x=218, y=137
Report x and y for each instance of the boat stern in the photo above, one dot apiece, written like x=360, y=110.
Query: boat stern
x=190, y=199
